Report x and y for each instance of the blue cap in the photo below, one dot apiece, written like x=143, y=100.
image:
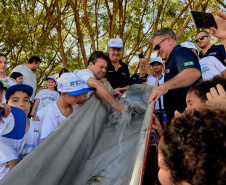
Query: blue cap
x=18, y=87
x=51, y=78
x=17, y=125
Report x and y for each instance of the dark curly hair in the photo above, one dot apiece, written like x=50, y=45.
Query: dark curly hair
x=194, y=147
x=203, y=87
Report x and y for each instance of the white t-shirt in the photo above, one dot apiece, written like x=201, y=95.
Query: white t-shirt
x=43, y=111
x=11, y=149
x=7, y=82
x=85, y=74
x=51, y=119
x=151, y=81
x=210, y=67
x=29, y=78
x=46, y=97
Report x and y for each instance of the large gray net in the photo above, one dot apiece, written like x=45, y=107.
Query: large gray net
x=91, y=147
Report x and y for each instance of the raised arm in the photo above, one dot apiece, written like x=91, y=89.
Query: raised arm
x=184, y=79
x=103, y=93
x=144, y=61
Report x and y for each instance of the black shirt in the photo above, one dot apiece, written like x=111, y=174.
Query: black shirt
x=136, y=79
x=119, y=78
x=217, y=51
x=180, y=58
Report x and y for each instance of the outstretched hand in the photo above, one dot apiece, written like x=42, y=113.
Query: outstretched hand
x=220, y=32
x=118, y=91
x=7, y=110
x=157, y=126
x=157, y=93
x=216, y=98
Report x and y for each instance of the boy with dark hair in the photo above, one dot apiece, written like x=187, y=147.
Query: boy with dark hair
x=72, y=91
x=14, y=150
x=17, y=76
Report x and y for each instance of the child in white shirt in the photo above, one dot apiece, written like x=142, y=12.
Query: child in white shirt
x=14, y=150
x=72, y=91
x=45, y=96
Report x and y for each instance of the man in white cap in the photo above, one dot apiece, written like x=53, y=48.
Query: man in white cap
x=117, y=71
x=210, y=65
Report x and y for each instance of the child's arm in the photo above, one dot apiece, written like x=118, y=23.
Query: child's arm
x=37, y=101
x=13, y=163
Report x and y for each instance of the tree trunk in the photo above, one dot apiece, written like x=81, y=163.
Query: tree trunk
x=86, y=20
x=79, y=32
x=113, y=23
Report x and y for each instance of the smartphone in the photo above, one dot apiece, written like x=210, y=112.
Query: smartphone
x=140, y=55
x=203, y=20
x=2, y=112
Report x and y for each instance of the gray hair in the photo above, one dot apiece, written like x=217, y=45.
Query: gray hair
x=164, y=32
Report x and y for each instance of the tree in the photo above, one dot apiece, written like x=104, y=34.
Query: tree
x=64, y=33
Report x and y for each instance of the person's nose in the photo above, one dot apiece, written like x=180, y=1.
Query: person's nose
x=21, y=104
x=158, y=51
x=104, y=70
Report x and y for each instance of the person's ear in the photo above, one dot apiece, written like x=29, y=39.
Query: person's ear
x=63, y=94
x=90, y=65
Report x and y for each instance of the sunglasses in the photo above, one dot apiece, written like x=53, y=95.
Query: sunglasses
x=157, y=47
x=200, y=38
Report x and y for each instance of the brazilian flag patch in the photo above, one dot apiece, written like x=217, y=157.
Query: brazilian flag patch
x=189, y=63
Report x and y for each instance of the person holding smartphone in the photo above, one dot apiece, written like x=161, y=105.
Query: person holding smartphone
x=220, y=32
x=203, y=39
x=141, y=77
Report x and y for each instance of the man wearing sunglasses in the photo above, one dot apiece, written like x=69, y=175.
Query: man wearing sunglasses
x=182, y=70
x=218, y=51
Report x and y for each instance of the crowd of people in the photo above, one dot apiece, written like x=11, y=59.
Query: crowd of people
x=190, y=112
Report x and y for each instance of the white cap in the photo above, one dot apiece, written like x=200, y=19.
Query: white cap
x=72, y=84
x=51, y=78
x=157, y=59
x=189, y=45
x=115, y=43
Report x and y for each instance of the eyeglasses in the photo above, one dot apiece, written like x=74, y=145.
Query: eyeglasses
x=201, y=38
x=157, y=47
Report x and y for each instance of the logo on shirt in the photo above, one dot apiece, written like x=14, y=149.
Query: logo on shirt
x=190, y=63
x=36, y=130
x=214, y=53
x=21, y=156
x=28, y=145
x=167, y=71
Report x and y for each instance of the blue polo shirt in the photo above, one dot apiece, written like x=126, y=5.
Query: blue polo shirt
x=180, y=58
x=217, y=51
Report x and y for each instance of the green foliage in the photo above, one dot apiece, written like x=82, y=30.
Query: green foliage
x=26, y=29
